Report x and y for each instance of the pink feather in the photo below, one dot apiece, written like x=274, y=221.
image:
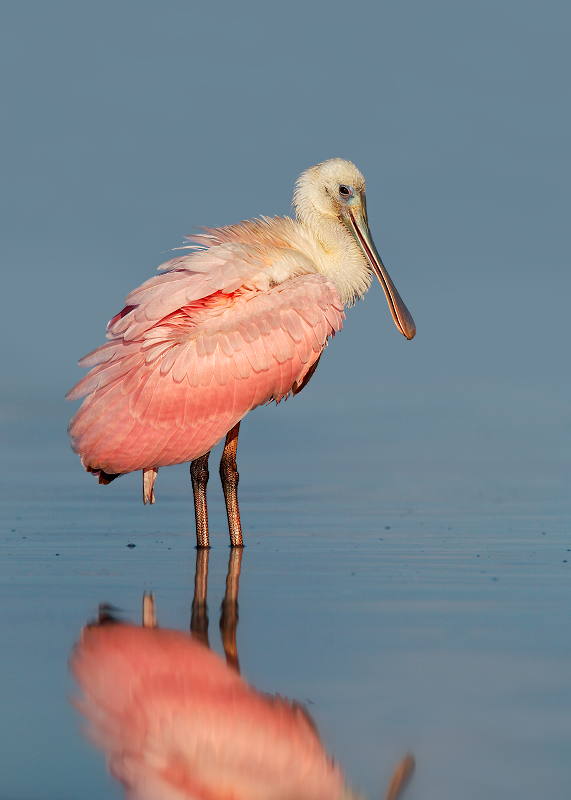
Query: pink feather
x=196, y=348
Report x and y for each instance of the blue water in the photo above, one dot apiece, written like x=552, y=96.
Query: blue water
x=411, y=610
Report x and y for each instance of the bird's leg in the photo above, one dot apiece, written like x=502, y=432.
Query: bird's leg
x=199, y=475
x=229, y=609
x=149, y=478
x=199, y=619
x=149, y=614
x=229, y=476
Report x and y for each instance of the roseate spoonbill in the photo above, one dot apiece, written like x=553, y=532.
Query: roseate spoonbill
x=241, y=320
x=176, y=722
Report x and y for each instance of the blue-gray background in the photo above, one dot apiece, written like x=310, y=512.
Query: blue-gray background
x=125, y=124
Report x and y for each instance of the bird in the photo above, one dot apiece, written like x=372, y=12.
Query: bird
x=239, y=320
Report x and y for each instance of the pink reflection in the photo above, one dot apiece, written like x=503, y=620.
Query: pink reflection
x=176, y=722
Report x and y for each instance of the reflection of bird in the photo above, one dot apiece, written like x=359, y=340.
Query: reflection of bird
x=240, y=321
x=176, y=722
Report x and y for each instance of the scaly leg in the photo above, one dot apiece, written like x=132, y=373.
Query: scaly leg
x=199, y=475
x=199, y=619
x=229, y=476
x=229, y=609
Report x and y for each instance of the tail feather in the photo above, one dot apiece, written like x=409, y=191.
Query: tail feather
x=104, y=477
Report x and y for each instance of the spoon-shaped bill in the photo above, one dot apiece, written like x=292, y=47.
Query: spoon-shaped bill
x=356, y=221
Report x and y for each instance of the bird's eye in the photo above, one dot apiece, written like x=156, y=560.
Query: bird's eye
x=345, y=191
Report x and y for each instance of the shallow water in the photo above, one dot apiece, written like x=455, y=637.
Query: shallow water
x=409, y=611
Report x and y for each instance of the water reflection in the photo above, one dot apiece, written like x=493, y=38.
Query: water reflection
x=176, y=721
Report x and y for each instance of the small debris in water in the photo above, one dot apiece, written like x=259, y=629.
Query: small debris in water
x=131, y=545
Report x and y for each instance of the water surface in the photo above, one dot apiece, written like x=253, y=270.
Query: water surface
x=409, y=611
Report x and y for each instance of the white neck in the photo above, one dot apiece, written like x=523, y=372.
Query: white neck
x=338, y=256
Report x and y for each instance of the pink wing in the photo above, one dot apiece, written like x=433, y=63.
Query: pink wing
x=176, y=722
x=194, y=350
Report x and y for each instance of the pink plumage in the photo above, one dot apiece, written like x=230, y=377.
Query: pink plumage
x=177, y=723
x=195, y=349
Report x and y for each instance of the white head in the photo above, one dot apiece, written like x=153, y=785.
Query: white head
x=333, y=193
x=317, y=190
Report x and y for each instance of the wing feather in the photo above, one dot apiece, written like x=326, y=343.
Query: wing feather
x=170, y=358
x=197, y=370
x=92, y=410
x=132, y=381
x=292, y=324
x=245, y=332
x=235, y=339
x=225, y=345
x=221, y=373
x=242, y=363
x=281, y=345
x=233, y=367
x=180, y=366
x=166, y=391
x=141, y=399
